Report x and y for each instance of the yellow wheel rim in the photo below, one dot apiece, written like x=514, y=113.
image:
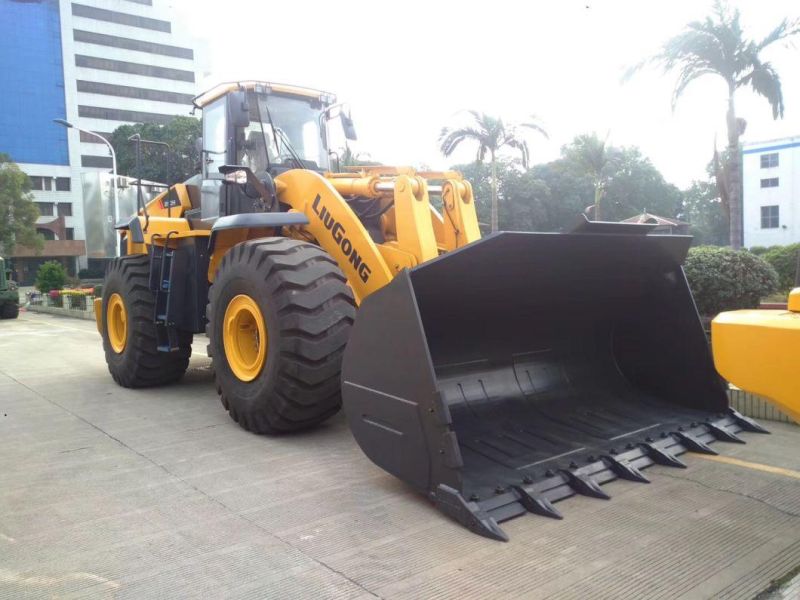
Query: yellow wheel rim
x=117, y=323
x=244, y=337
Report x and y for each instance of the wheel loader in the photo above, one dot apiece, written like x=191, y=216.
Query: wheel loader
x=9, y=294
x=496, y=375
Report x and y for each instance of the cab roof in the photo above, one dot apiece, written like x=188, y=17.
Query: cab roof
x=262, y=86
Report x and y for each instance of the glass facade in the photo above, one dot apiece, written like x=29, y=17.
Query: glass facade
x=31, y=68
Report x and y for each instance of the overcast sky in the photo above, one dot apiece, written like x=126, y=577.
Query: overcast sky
x=408, y=68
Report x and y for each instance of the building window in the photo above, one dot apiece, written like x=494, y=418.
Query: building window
x=46, y=234
x=770, y=217
x=769, y=161
x=100, y=162
x=45, y=209
x=64, y=209
x=130, y=44
x=63, y=184
x=111, y=16
x=770, y=182
x=41, y=183
x=121, y=66
x=124, y=91
x=69, y=233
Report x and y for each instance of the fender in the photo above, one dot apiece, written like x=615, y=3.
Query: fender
x=253, y=220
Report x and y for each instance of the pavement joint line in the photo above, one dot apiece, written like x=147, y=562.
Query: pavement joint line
x=732, y=492
x=751, y=465
x=198, y=490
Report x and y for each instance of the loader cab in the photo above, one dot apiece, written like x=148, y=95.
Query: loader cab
x=269, y=128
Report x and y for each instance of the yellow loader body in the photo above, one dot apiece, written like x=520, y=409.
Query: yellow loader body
x=759, y=351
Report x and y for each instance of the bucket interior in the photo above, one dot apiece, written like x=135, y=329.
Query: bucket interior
x=553, y=349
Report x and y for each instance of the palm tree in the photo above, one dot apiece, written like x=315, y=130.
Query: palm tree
x=594, y=158
x=717, y=46
x=491, y=135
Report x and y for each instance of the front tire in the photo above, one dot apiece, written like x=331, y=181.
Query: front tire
x=279, y=317
x=129, y=333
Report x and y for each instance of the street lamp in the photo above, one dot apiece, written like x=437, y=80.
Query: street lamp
x=69, y=125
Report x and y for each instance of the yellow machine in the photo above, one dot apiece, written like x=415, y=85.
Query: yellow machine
x=496, y=375
x=757, y=350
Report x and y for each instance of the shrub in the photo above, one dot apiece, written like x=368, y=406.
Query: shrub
x=760, y=250
x=784, y=260
x=725, y=279
x=50, y=276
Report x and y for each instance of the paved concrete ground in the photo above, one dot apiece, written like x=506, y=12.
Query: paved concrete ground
x=108, y=492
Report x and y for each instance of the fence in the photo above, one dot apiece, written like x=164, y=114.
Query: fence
x=67, y=303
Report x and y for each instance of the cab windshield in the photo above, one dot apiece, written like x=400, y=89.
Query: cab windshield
x=296, y=120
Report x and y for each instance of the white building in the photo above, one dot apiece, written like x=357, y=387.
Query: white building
x=97, y=64
x=771, y=200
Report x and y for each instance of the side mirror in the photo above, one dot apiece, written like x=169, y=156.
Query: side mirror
x=347, y=125
x=238, y=109
x=198, y=145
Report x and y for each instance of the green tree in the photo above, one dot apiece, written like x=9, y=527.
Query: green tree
x=702, y=207
x=717, y=46
x=634, y=186
x=491, y=135
x=180, y=133
x=18, y=213
x=524, y=196
x=628, y=182
x=550, y=196
x=592, y=158
x=50, y=276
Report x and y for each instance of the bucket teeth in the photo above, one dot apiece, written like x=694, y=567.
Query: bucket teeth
x=584, y=485
x=624, y=470
x=662, y=457
x=537, y=504
x=693, y=444
x=469, y=514
x=747, y=423
x=723, y=434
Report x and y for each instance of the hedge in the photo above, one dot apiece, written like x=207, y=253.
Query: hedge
x=725, y=279
x=784, y=260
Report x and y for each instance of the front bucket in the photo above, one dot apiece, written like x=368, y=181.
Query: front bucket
x=528, y=367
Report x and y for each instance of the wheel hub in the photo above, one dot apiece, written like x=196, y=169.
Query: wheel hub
x=117, y=323
x=244, y=337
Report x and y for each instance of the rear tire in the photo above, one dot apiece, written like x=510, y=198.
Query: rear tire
x=10, y=310
x=307, y=311
x=139, y=363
